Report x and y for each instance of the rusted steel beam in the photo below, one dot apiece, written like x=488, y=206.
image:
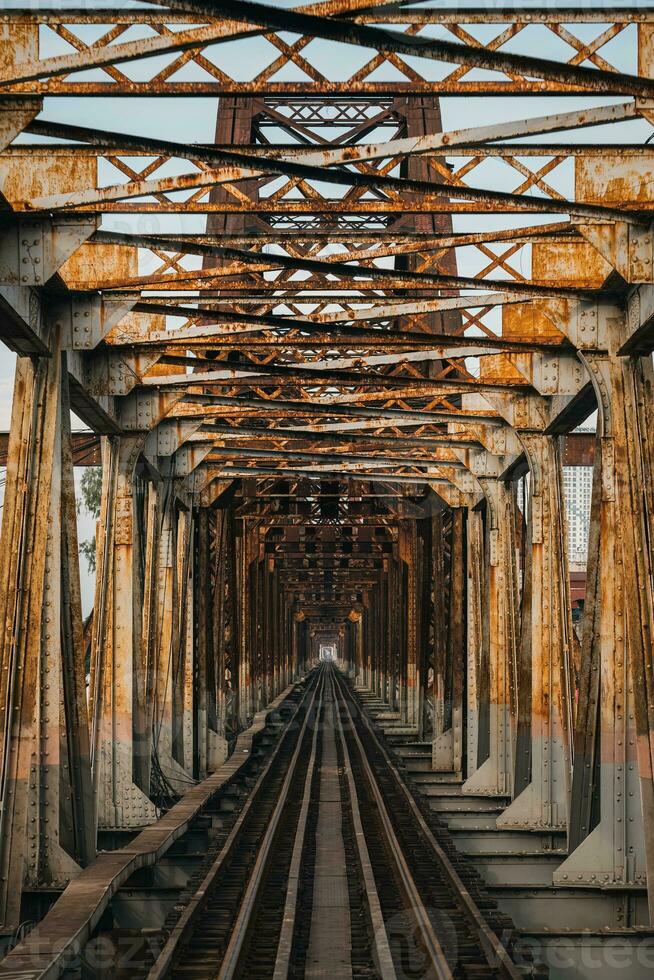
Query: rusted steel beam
x=281, y=376
x=230, y=325
x=224, y=428
x=441, y=15
x=85, y=448
x=399, y=343
x=257, y=452
x=480, y=202
x=97, y=55
x=369, y=387
x=375, y=388
x=327, y=409
x=67, y=151
x=378, y=476
x=420, y=285
x=386, y=243
x=526, y=290
x=417, y=46
x=202, y=244
x=632, y=212
x=242, y=11
x=325, y=88
x=325, y=157
x=113, y=198
x=579, y=449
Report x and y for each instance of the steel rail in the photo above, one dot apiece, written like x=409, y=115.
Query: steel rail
x=413, y=899
x=384, y=955
x=285, y=944
x=183, y=927
x=496, y=954
x=233, y=955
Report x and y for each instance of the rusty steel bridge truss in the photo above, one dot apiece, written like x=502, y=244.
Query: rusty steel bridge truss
x=332, y=356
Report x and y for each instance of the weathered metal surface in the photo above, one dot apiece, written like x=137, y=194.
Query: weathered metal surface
x=85, y=447
x=556, y=77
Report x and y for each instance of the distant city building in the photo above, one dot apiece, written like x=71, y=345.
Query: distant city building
x=578, y=488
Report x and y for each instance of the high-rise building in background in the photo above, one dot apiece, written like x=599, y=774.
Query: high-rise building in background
x=578, y=487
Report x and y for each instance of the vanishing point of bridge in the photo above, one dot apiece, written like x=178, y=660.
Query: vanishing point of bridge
x=327, y=291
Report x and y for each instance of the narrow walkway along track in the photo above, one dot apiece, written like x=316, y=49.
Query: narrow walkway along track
x=333, y=870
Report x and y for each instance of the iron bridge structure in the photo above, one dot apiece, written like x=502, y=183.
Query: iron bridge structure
x=334, y=294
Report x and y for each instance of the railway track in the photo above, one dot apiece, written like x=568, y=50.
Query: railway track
x=333, y=868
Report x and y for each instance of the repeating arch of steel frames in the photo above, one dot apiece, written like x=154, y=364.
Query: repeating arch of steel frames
x=316, y=412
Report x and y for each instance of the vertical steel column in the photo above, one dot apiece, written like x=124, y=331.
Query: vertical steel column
x=385, y=692
x=496, y=650
x=397, y=640
x=447, y=746
x=368, y=636
x=204, y=677
x=440, y=621
x=475, y=605
x=166, y=647
x=36, y=413
x=613, y=850
x=247, y=591
x=73, y=668
x=376, y=652
x=543, y=803
x=173, y=648
x=47, y=823
x=61, y=817
x=185, y=718
x=121, y=803
x=410, y=672
x=227, y=623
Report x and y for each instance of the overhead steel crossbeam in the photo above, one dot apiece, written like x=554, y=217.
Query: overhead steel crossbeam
x=245, y=168
x=190, y=43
